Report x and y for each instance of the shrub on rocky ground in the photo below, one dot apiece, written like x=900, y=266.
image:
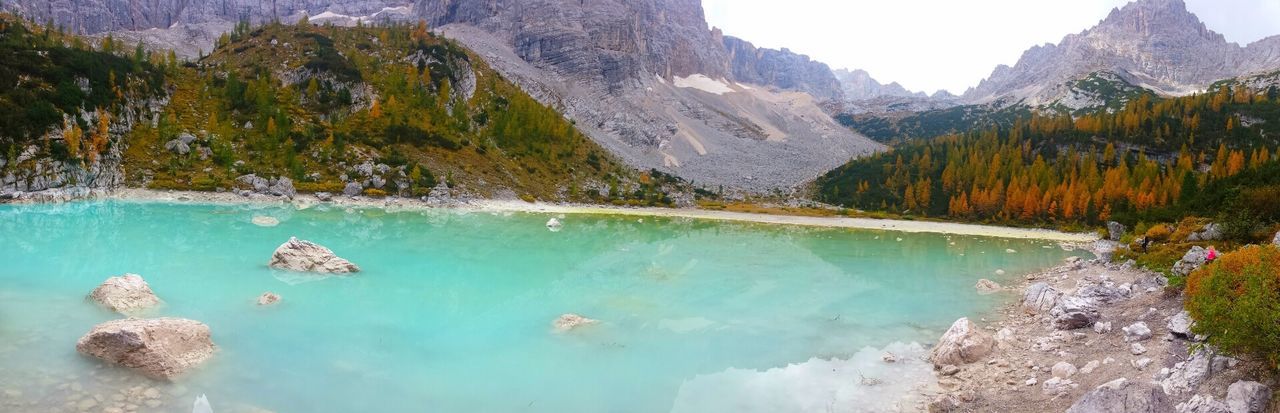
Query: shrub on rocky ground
x=1236, y=302
x=1159, y=233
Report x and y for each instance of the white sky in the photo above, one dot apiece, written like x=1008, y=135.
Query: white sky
x=946, y=44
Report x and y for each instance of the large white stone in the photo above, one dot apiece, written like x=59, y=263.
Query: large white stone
x=126, y=294
x=307, y=256
x=159, y=348
x=963, y=343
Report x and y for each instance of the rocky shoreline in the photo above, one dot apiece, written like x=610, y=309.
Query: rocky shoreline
x=1092, y=336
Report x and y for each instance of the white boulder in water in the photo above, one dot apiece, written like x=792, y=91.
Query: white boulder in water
x=307, y=256
x=159, y=348
x=571, y=321
x=985, y=286
x=268, y=298
x=265, y=221
x=201, y=405
x=554, y=225
x=125, y=294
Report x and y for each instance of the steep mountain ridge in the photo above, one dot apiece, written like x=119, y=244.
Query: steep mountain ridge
x=782, y=68
x=1155, y=44
x=651, y=81
x=648, y=79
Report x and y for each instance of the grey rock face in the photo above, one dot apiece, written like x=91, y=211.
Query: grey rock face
x=1115, y=230
x=1210, y=232
x=781, y=68
x=1040, y=297
x=1248, y=397
x=1202, y=404
x=1122, y=396
x=859, y=85
x=1187, y=376
x=97, y=16
x=1180, y=324
x=177, y=146
x=1192, y=260
x=648, y=81
x=282, y=186
x=1157, y=43
x=352, y=189
x=1074, y=312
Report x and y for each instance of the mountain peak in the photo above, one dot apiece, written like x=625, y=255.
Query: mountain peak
x=1155, y=44
x=1157, y=18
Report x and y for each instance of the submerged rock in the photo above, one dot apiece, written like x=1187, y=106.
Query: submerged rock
x=201, y=405
x=265, y=221
x=963, y=343
x=554, y=225
x=307, y=256
x=1122, y=396
x=125, y=294
x=567, y=322
x=985, y=286
x=268, y=298
x=159, y=348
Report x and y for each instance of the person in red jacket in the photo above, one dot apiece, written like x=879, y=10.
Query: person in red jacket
x=1212, y=255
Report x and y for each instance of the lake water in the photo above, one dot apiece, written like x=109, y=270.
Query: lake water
x=453, y=310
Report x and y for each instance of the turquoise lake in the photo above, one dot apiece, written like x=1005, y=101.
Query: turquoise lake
x=453, y=309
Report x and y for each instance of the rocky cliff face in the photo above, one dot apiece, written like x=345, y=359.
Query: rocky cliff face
x=609, y=43
x=1156, y=44
x=97, y=16
x=190, y=27
x=781, y=68
x=649, y=80
x=859, y=85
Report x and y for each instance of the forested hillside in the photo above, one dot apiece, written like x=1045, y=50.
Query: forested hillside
x=395, y=110
x=1153, y=159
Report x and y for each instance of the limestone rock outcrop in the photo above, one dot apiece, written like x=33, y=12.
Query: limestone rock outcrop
x=307, y=256
x=963, y=343
x=160, y=348
x=1195, y=258
x=126, y=294
x=1123, y=396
